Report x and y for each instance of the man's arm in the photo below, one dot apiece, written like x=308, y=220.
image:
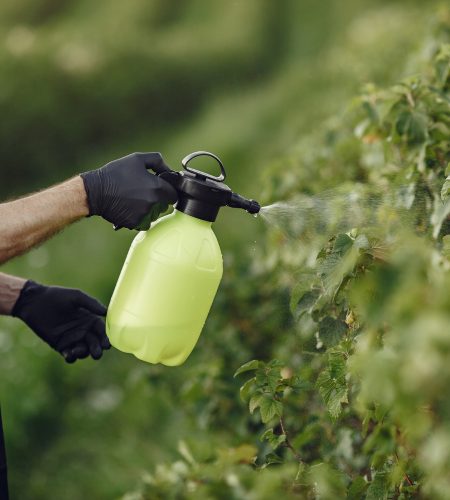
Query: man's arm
x=26, y=222
x=66, y=319
x=10, y=288
x=122, y=192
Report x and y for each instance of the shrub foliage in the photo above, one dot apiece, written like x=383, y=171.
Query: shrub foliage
x=352, y=402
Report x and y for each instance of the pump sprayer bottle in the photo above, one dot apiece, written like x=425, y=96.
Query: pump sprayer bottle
x=172, y=272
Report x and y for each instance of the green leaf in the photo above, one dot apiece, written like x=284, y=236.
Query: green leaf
x=272, y=458
x=340, y=262
x=270, y=408
x=332, y=384
x=269, y=378
x=305, y=303
x=337, y=364
x=379, y=487
x=245, y=390
x=357, y=489
x=413, y=126
x=331, y=331
x=273, y=439
x=255, y=402
x=275, y=363
x=371, y=111
x=303, y=285
x=342, y=243
x=274, y=379
x=445, y=191
x=250, y=365
x=333, y=393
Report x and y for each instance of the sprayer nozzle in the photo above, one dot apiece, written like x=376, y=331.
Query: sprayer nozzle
x=238, y=201
x=254, y=207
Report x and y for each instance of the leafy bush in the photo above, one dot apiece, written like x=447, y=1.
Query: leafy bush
x=355, y=403
x=255, y=77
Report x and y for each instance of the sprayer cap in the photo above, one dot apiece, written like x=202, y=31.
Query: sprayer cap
x=200, y=194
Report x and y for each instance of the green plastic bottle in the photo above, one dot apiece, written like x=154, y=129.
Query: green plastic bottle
x=172, y=272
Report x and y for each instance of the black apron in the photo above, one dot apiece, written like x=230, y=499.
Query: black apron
x=3, y=475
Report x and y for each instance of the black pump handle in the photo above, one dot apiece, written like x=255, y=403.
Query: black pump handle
x=185, y=161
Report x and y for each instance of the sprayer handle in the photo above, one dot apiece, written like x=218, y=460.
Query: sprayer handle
x=185, y=162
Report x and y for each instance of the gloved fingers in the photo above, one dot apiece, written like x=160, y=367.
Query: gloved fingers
x=79, y=351
x=153, y=161
x=93, y=344
x=100, y=331
x=67, y=355
x=71, y=332
x=81, y=299
x=156, y=210
x=145, y=223
x=69, y=339
x=166, y=192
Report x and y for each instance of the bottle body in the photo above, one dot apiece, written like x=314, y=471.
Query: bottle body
x=165, y=290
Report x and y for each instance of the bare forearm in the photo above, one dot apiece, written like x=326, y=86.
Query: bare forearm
x=10, y=288
x=28, y=221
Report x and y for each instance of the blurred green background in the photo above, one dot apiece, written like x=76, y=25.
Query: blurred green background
x=85, y=82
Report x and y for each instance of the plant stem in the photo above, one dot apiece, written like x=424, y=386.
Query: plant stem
x=407, y=478
x=288, y=444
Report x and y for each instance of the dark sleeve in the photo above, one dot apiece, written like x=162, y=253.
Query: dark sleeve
x=3, y=470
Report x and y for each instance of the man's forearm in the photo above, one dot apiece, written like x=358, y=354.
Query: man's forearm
x=10, y=288
x=26, y=222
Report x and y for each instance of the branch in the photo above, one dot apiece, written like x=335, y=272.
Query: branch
x=288, y=444
x=407, y=478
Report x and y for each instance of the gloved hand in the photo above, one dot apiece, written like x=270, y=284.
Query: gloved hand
x=66, y=319
x=124, y=193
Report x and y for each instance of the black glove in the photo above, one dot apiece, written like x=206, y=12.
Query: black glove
x=124, y=193
x=67, y=319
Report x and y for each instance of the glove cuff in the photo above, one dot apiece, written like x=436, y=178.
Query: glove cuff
x=92, y=185
x=28, y=292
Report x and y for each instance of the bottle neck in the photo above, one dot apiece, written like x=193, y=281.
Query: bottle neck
x=191, y=218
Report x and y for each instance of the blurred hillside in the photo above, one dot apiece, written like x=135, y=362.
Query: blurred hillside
x=84, y=82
